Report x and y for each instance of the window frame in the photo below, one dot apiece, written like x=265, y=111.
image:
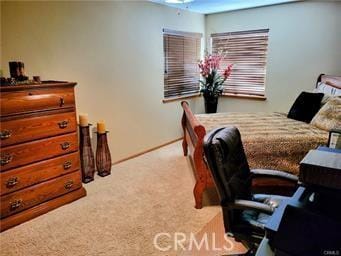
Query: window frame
x=248, y=93
x=181, y=94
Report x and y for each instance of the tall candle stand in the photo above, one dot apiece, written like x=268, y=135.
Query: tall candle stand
x=103, y=157
x=87, y=155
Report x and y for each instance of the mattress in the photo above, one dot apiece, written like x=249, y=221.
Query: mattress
x=271, y=140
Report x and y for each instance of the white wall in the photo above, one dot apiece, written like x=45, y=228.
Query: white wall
x=304, y=41
x=114, y=50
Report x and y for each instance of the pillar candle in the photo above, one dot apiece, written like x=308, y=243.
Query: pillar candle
x=83, y=120
x=101, y=127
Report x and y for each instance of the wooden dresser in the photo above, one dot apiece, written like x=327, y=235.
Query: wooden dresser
x=40, y=168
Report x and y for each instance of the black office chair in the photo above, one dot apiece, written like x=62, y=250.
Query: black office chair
x=245, y=214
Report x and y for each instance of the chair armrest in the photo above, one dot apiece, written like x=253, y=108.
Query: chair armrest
x=251, y=205
x=275, y=174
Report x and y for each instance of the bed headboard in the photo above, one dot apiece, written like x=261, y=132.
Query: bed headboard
x=334, y=81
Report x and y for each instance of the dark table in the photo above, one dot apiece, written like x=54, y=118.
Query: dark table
x=317, y=198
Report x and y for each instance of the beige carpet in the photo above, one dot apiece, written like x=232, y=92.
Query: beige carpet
x=121, y=213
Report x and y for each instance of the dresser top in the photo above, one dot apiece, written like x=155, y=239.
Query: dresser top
x=44, y=84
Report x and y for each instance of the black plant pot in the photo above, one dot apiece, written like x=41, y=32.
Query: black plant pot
x=211, y=104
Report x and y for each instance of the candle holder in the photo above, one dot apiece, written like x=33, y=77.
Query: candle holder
x=87, y=155
x=103, y=157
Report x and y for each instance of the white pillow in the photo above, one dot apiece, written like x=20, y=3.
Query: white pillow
x=327, y=89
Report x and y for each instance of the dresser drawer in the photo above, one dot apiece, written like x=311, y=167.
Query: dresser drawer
x=30, y=152
x=28, y=129
x=32, y=174
x=31, y=196
x=33, y=100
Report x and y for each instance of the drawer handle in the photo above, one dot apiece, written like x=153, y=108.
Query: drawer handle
x=65, y=145
x=11, y=182
x=67, y=165
x=5, y=159
x=15, y=204
x=5, y=134
x=68, y=184
x=61, y=101
x=63, y=124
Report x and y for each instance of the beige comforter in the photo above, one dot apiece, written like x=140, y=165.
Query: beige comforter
x=271, y=140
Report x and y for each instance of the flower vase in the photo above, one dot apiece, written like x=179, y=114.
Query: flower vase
x=103, y=157
x=211, y=104
x=86, y=154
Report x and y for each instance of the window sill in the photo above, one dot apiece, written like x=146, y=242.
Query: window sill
x=229, y=95
x=180, y=98
x=244, y=96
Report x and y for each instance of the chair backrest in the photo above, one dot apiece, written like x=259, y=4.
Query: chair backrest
x=228, y=164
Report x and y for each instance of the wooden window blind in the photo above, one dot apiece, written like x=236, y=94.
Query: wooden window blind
x=247, y=51
x=181, y=55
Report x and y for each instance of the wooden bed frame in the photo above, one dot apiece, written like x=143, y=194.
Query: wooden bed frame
x=192, y=145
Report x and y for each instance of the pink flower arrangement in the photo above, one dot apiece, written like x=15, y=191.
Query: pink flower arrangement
x=209, y=63
x=227, y=71
x=212, y=83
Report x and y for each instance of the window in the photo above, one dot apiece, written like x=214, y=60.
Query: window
x=181, y=55
x=247, y=51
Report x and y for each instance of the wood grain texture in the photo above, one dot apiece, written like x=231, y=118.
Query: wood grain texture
x=29, y=197
x=40, y=166
x=218, y=243
x=194, y=134
x=32, y=174
x=40, y=209
x=38, y=150
x=334, y=81
x=28, y=129
x=26, y=101
x=45, y=84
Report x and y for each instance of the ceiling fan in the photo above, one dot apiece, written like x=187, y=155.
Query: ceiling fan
x=178, y=1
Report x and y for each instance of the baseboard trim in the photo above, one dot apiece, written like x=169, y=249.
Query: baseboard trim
x=145, y=151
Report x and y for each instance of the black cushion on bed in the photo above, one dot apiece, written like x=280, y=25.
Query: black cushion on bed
x=305, y=106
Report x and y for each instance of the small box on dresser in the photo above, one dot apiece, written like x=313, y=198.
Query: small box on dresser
x=39, y=158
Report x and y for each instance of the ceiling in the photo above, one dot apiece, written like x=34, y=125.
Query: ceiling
x=214, y=6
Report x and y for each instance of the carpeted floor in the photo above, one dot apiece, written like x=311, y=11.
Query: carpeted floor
x=121, y=213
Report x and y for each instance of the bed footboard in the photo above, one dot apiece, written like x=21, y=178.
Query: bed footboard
x=192, y=145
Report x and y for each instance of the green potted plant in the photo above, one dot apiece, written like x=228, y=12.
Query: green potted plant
x=211, y=84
